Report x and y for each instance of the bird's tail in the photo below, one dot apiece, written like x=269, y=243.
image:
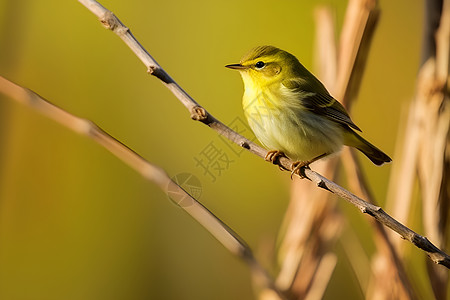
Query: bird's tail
x=377, y=156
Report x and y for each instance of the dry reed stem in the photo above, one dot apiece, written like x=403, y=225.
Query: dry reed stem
x=426, y=152
x=401, y=184
x=359, y=261
x=359, y=27
x=357, y=32
x=434, y=116
x=323, y=276
x=391, y=279
x=427, y=140
x=433, y=101
x=110, y=21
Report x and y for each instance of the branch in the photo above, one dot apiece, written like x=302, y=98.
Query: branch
x=110, y=21
x=225, y=235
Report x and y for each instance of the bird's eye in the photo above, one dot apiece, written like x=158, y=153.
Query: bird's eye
x=260, y=65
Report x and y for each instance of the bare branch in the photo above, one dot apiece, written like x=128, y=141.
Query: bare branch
x=199, y=113
x=225, y=235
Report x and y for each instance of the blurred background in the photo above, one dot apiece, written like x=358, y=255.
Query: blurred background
x=76, y=223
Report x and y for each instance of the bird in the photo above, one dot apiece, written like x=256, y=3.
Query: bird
x=291, y=112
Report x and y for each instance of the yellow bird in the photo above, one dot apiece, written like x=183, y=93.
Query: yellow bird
x=291, y=112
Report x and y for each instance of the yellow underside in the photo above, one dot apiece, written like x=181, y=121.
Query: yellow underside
x=279, y=121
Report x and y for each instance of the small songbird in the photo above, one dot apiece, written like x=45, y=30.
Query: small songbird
x=291, y=112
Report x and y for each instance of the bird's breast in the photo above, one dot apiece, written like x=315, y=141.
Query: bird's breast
x=280, y=122
x=266, y=113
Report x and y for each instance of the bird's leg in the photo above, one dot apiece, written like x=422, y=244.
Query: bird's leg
x=299, y=165
x=273, y=156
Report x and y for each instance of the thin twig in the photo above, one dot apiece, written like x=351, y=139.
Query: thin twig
x=110, y=21
x=224, y=234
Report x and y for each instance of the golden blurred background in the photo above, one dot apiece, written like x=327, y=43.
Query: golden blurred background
x=76, y=223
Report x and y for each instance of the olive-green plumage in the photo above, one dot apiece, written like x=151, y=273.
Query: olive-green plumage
x=291, y=111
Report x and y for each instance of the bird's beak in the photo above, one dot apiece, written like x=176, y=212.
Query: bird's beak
x=236, y=67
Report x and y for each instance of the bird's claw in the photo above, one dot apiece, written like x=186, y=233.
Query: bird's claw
x=298, y=168
x=273, y=156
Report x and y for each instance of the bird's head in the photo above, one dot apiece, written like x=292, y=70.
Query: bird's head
x=266, y=65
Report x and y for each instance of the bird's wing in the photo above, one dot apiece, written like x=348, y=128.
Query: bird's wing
x=319, y=101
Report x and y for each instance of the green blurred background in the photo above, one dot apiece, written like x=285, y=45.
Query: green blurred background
x=76, y=223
